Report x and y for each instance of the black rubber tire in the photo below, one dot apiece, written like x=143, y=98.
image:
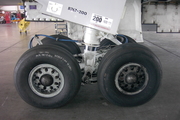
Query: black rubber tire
x=115, y=60
x=122, y=39
x=70, y=46
x=51, y=55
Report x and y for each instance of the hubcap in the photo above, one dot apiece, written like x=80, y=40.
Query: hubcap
x=131, y=79
x=46, y=80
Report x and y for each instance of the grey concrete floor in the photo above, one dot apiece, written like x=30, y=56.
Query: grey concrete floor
x=89, y=104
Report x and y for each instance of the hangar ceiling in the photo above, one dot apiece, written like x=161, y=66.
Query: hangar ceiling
x=15, y=2
x=9, y=2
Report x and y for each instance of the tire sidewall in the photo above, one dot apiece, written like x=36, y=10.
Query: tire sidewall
x=70, y=46
x=53, y=57
x=108, y=72
x=130, y=40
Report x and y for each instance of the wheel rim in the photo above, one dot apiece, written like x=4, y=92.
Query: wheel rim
x=131, y=79
x=46, y=80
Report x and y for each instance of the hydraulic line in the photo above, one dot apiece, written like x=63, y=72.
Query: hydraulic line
x=53, y=38
x=57, y=39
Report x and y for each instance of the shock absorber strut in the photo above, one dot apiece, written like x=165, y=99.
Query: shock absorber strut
x=91, y=45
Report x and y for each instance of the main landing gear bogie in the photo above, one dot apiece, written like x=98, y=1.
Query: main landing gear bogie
x=49, y=75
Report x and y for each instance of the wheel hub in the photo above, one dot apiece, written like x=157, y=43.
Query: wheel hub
x=131, y=78
x=46, y=80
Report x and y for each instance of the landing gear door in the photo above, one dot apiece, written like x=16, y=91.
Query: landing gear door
x=103, y=15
